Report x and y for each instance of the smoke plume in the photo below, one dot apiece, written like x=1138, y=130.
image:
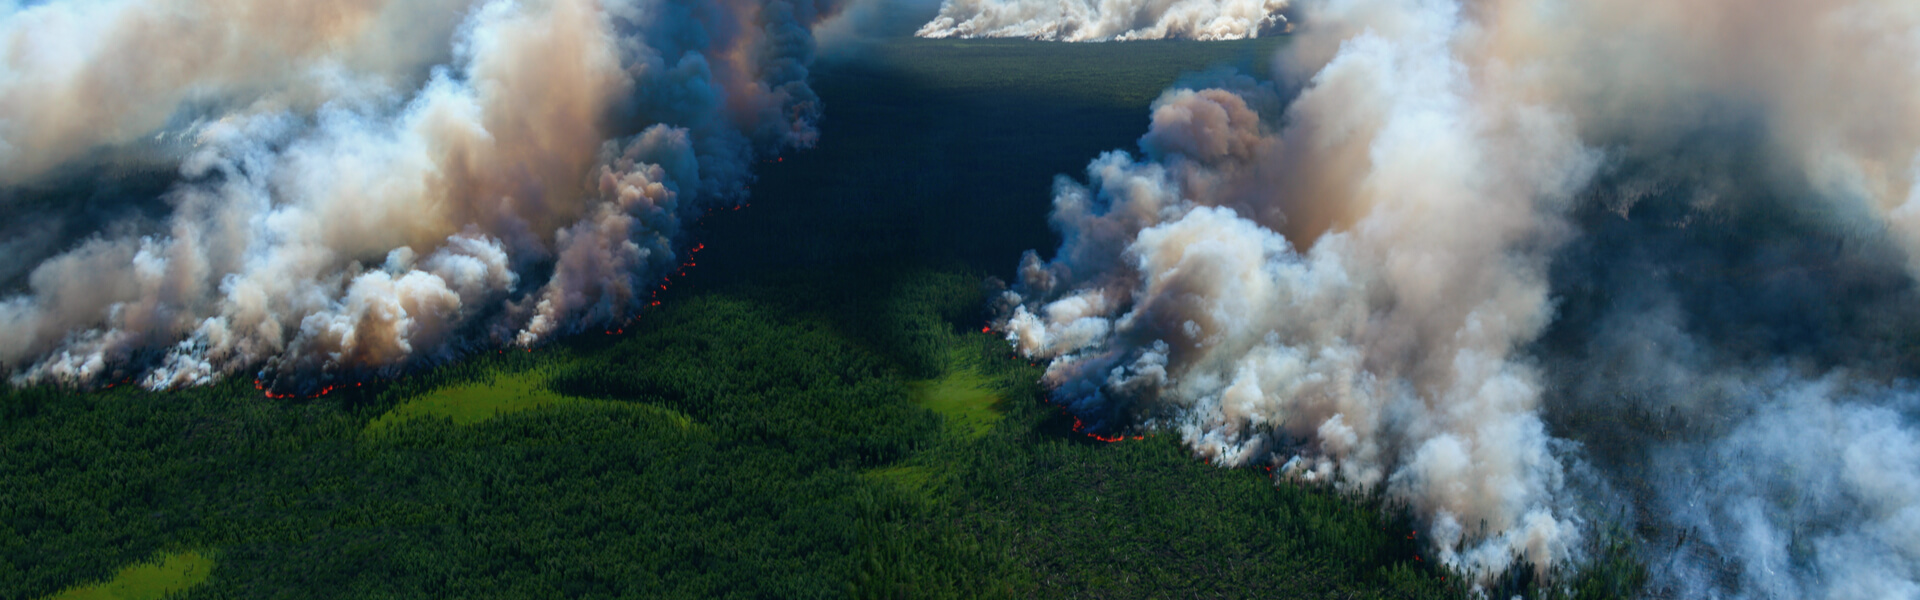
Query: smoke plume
x=531, y=184
x=1532, y=267
x=1088, y=21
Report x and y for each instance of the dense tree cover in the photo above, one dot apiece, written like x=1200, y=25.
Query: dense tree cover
x=1064, y=515
x=758, y=497
x=760, y=448
x=763, y=378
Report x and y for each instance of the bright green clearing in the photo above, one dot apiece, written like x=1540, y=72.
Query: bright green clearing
x=505, y=394
x=964, y=397
x=168, y=574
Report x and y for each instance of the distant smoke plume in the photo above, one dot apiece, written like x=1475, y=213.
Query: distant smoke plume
x=1088, y=21
x=370, y=231
x=1513, y=260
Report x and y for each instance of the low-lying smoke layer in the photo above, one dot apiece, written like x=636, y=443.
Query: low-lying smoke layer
x=1087, y=21
x=534, y=185
x=1514, y=261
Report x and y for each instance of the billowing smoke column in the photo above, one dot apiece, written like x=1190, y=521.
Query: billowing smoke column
x=1380, y=349
x=533, y=185
x=1090, y=21
x=1533, y=267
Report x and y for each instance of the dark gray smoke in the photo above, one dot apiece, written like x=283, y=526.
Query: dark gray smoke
x=335, y=215
x=1490, y=248
x=1736, y=351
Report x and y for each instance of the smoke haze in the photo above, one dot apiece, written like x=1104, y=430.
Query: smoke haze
x=1086, y=21
x=92, y=73
x=1533, y=267
x=338, y=213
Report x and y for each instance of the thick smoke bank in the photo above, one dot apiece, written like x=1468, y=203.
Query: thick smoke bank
x=566, y=139
x=1088, y=21
x=1515, y=261
x=1734, y=351
x=1381, y=353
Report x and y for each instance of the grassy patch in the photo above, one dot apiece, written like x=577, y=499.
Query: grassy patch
x=165, y=575
x=504, y=394
x=964, y=397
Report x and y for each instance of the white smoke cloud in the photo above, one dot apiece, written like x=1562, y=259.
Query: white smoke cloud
x=1815, y=495
x=602, y=258
x=79, y=74
x=1088, y=21
x=378, y=230
x=1380, y=355
x=1363, y=292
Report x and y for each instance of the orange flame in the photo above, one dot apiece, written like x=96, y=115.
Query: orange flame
x=1078, y=425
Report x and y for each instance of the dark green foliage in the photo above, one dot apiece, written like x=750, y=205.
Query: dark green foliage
x=92, y=482
x=1613, y=571
x=572, y=503
x=761, y=377
x=767, y=493
x=1056, y=514
x=755, y=499
x=1144, y=519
